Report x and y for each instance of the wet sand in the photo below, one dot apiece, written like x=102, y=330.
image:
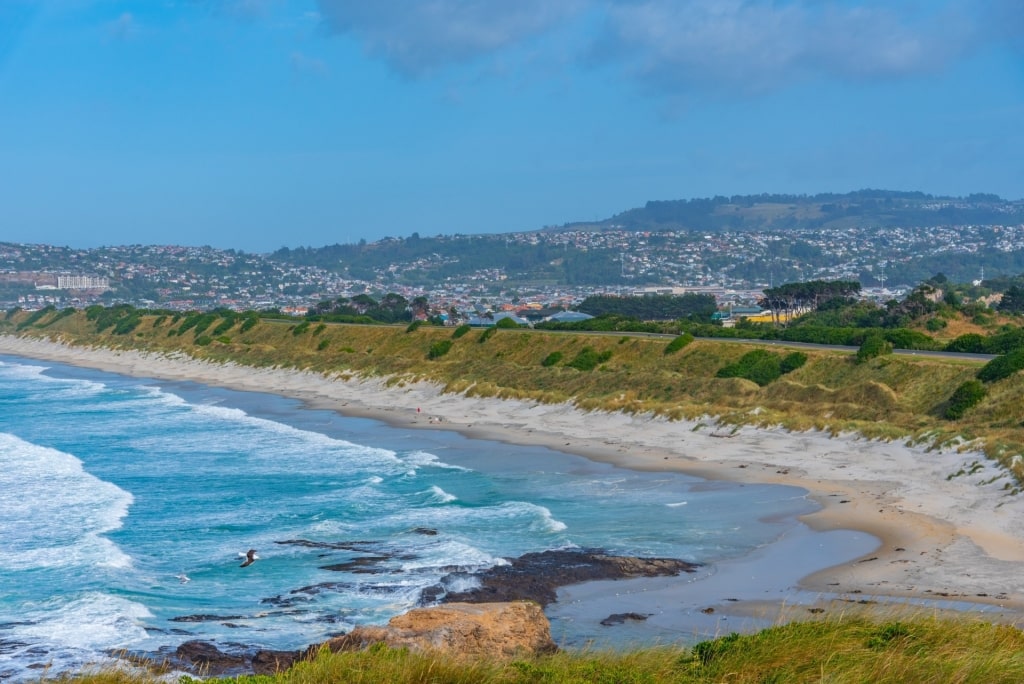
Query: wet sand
x=944, y=529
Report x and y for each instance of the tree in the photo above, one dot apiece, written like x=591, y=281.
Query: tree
x=1013, y=300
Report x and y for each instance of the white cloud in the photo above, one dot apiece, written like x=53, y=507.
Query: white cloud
x=755, y=45
x=418, y=36
x=125, y=27
x=676, y=46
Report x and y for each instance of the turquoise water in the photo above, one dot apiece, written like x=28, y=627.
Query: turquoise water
x=125, y=503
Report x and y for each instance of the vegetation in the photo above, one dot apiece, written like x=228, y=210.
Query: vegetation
x=552, y=359
x=873, y=346
x=966, y=396
x=893, y=397
x=587, y=359
x=842, y=649
x=439, y=349
x=678, y=343
x=1002, y=366
x=762, y=366
x=652, y=307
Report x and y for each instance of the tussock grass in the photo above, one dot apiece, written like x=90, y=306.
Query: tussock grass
x=890, y=397
x=897, y=649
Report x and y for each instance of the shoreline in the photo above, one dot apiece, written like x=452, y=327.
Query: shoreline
x=944, y=536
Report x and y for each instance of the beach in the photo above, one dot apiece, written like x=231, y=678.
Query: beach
x=947, y=527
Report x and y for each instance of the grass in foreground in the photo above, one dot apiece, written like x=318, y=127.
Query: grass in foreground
x=838, y=649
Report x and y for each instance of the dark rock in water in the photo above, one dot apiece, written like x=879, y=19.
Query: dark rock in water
x=537, y=576
x=619, y=618
x=205, y=657
x=11, y=646
x=432, y=594
x=361, y=565
x=425, y=531
x=338, y=546
x=206, y=618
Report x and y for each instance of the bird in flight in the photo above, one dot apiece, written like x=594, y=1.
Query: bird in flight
x=250, y=556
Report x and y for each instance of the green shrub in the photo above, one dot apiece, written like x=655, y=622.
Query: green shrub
x=488, y=334
x=1002, y=366
x=439, y=349
x=224, y=339
x=705, y=652
x=965, y=397
x=227, y=324
x=551, y=359
x=413, y=326
x=127, y=324
x=203, y=340
x=506, y=323
x=198, y=321
x=587, y=359
x=971, y=343
x=319, y=329
x=678, y=343
x=874, y=345
x=300, y=328
x=790, y=362
x=323, y=344
x=461, y=330
x=249, y=323
x=760, y=366
x=902, y=338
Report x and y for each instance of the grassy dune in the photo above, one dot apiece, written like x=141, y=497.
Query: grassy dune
x=889, y=397
x=841, y=649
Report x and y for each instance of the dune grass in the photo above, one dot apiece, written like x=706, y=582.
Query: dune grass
x=843, y=648
x=888, y=397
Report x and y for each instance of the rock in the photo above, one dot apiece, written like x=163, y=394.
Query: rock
x=537, y=576
x=491, y=630
x=272, y=662
x=205, y=657
x=619, y=618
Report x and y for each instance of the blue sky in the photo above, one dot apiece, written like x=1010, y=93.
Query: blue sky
x=257, y=124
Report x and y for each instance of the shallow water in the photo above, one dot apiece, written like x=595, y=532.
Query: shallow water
x=125, y=503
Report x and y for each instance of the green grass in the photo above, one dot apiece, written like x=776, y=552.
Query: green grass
x=844, y=648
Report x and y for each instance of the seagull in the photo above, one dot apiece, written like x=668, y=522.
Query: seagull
x=250, y=556
x=183, y=578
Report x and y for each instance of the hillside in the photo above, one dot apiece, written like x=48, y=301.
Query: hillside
x=888, y=397
x=827, y=211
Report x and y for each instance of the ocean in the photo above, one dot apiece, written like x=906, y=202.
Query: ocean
x=125, y=504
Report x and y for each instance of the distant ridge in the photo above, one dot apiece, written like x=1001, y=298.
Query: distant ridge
x=869, y=207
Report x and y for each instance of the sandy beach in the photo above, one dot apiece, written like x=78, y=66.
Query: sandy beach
x=947, y=524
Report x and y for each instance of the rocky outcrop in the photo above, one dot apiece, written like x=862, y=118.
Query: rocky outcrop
x=493, y=630
x=205, y=658
x=537, y=576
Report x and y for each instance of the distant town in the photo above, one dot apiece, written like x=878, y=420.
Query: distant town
x=552, y=269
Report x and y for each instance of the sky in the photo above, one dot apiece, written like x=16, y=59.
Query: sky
x=260, y=124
